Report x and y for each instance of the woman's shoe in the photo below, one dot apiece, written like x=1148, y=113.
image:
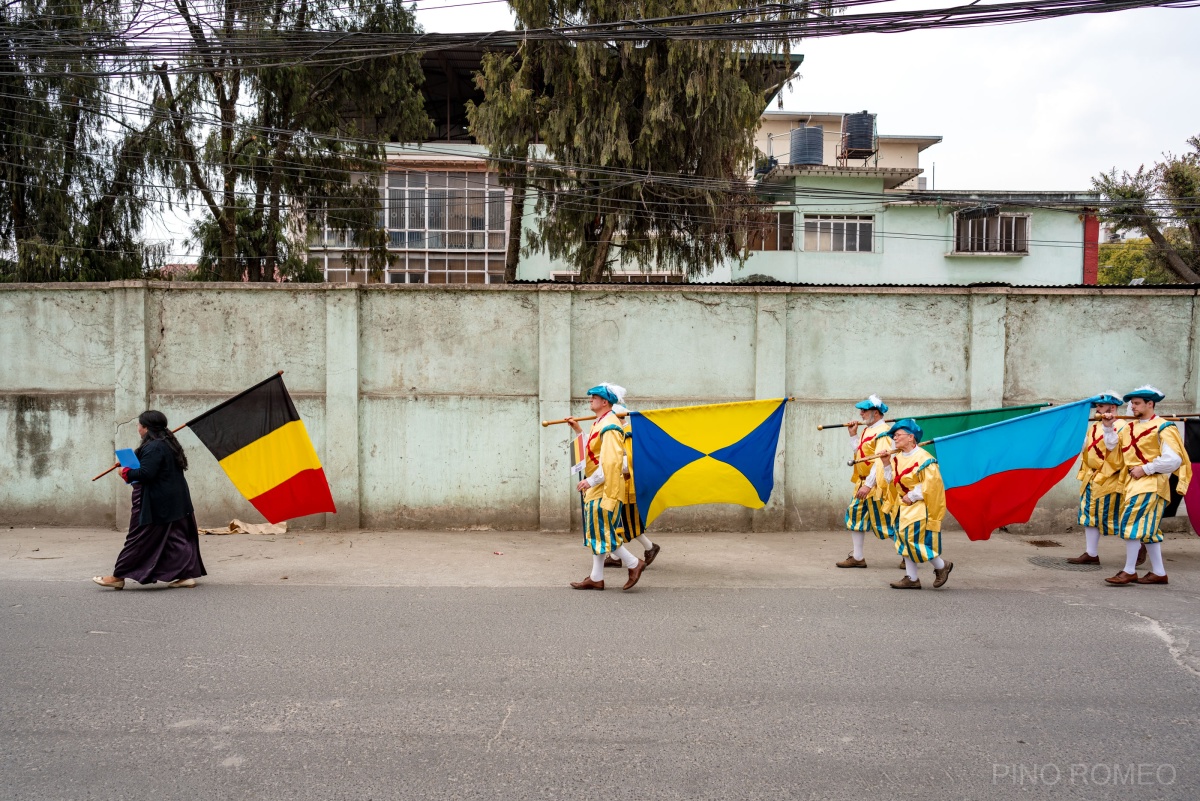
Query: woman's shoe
x=119, y=584
x=185, y=583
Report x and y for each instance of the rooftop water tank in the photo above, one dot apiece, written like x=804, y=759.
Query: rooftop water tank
x=807, y=145
x=860, y=134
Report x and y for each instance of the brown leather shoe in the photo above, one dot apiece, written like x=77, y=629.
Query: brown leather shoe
x=652, y=554
x=1141, y=556
x=635, y=573
x=850, y=561
x=1084, y=559
x=1153, y=578
x=612, y=561
x=588, y=584
x=902, y=566
x=1122, y=578
x=940, y=576
x=906, y=584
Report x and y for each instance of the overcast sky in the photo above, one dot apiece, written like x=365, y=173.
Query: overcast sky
x=1038, y=105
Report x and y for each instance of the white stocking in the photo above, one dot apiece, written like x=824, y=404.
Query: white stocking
x=1131, y=554
x=857, y=537
x=937, y=562
x=626, y=556
x=597, y=567
x=645, y=541
x=1154, y=551
x=1092, y=534
x=910, y=567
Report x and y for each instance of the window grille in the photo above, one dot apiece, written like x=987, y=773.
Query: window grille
x=838, y=233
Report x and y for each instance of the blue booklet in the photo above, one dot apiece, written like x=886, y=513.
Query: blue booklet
x=127, y=458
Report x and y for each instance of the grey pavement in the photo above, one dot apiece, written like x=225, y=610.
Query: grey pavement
x=458, y=665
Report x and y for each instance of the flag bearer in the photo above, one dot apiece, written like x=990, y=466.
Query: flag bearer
x=918, y=500
x=1101, y=481
x=866, y=511
x=1152, y=449
x=631, y=521
x=602, y=500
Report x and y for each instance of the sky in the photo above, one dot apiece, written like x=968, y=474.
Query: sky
x=1040, y=105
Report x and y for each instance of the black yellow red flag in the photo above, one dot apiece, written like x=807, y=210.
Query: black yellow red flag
x=260, y=441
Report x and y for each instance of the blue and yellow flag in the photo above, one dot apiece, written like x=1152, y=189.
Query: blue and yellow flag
x=719, y=453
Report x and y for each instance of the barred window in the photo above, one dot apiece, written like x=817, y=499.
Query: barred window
x=839, y=233
x=773, y=233
x=989, y=231
x=444, y=227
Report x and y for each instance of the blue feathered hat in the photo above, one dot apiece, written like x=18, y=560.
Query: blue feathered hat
x=907, y=424
x=1110, y=397
x=610, y=392
x=1146, y=392
x=872, y=402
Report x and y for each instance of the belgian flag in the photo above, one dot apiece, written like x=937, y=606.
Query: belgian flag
x=262, y=444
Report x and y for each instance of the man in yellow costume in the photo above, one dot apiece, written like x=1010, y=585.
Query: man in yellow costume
x=602, y=498
x=867, y=508
x=1152, y=450
x=917, y=498
x=1101, y=481
x=631, y=521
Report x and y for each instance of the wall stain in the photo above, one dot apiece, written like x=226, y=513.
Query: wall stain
x=32, y=423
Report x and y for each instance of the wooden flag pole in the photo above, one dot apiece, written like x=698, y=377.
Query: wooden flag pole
x=175, y=430
x=855, y=423
x=118, y=464
x=589, y=417
x=892, y=452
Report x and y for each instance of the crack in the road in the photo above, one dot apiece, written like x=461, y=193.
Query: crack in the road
x=1178, y=652
x=500, y=731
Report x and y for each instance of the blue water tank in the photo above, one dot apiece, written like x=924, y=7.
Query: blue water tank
x=807, y=145
x=860, y=134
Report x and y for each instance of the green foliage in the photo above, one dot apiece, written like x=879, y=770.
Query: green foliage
x=1162, y=203
x=1122, y=262
x=681, y=115
x=275, y=150
x=70, y=177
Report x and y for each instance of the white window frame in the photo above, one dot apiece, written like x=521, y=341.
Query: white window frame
x=833, y=226
x=777, y=231
x=997, y=232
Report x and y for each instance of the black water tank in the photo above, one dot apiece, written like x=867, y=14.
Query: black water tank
x=807, y=145
x=860, y=133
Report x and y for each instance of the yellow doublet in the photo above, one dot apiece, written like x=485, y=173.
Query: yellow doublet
x=870, y=440
x=1140, y=443
x=605, y=447
x=1099, y=467
x=917, y=467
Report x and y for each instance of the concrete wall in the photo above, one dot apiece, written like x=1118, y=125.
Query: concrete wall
x=424, y=402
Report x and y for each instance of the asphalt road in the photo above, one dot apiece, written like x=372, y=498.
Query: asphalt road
x=318, y=692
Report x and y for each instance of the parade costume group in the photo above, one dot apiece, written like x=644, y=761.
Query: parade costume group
x=1126, y=466
x=898, y=495
x=1124, y=475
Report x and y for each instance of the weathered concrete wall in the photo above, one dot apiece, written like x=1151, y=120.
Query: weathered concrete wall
x=424, y=403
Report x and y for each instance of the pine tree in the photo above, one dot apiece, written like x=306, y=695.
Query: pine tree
x=261, y=140
x=71, y=188
x=650, y=140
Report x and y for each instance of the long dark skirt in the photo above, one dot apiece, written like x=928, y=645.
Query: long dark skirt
x=161, y=552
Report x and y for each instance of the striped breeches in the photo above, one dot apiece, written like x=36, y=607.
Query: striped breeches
x=918, y=543
x=866, y=514
x=602, y=531
x=1140, y=517
x=1101, y=511
x=631, y=522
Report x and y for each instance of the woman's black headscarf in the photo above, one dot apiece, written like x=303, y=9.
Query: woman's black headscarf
x=155, y=424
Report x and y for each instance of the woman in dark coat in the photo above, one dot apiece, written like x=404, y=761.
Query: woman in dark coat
x=163, y=543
